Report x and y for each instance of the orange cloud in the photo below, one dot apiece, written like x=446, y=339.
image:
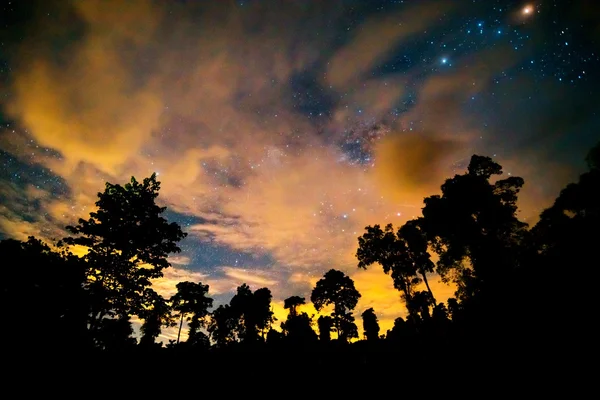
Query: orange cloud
x=206, y=102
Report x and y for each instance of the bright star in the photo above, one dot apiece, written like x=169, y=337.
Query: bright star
x=444, y=60
x=527, y=10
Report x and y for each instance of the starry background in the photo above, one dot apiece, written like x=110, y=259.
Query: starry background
x=280, y=129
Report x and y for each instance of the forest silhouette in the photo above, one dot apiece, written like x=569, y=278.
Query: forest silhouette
x=520, y=291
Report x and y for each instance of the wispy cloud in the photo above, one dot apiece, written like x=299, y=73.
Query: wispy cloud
x=202, y=95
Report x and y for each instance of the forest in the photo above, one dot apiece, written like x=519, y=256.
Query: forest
x=520, y=290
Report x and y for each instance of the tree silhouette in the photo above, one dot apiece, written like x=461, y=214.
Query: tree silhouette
x=370, y=324
x=298, y=328
x=157, y=315
x=262, y=315
x=128, y=242
x=564, y=240
x=191, y=300
x=325, y=324
x=223, y=325
x=41, y=292
x=391, y=251
x=400, y=332
x=416, y=246
x=474, y=229
x=348, y=329
x=292, y=303
x=338, y=289
x=253, y=311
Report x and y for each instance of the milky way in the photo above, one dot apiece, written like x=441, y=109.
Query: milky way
x=280, y=129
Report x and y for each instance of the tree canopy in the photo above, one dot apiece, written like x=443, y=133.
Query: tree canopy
x=337, y=289
x=503, y=271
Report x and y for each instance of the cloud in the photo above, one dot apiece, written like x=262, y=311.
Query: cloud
x=88, y=108
x=254, y=277
x=377, y=37
x=201, y=94
x=165, y=286
x=410, y=165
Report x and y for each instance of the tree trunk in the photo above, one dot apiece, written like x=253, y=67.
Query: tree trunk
x=428, y=288
x=180, y=325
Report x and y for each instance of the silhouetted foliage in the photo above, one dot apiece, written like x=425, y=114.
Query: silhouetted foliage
x=325, y=323
x=155, y=316
x=337, y=289
x=223, y=325
x=370, y=324
x=127, y=244
x=564, y=240
x=403, y=253
x=253, y=311
x=41, y=291
x=503, y=272
x=398, y=331
x=192, y=303
x=474, y=229
x=298, y=328
x=292, y=303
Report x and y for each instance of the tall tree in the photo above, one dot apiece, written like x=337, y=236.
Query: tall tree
x=223, y=325
x=253, y=310
x=292, y=303
x=127, y=243
x=416, y=246
x=337, y=289
x=474, y=228
x=191, y=301
x=155, y=316
x=262, y=314
x=370, y=324
x=564, y=240
x=325, y=323
x=391, y=251
x=297, y=327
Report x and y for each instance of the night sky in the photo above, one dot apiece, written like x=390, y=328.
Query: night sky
x=280, y=129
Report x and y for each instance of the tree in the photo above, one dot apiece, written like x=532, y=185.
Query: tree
x=325, y=324
x=223, y=325
x=253, y=311
x=416, y=245
x=41, y=291
x=298, y=328
x=262, y=316
x=391, y=251
x=128, y=242
x=292, y=303
x=474, y=228
x=157, y=315
x=370, y=324
x=191, y=299
x=338, y=289
x=348, y=329
x=400, y=332
x=564, y=241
